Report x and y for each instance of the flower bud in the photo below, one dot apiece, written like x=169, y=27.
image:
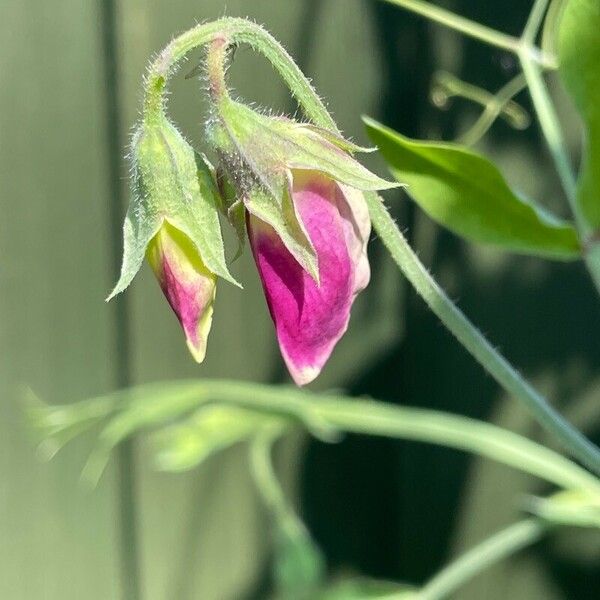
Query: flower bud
x=310, y=318
x=307, y=222
x=173, y=221
x=187, y=284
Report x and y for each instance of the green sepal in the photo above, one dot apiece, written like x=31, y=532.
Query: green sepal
x=466, y=193
x=283, y=219
x=337, y=140
x=579, y=58
x=269, y=146
x=170, y=182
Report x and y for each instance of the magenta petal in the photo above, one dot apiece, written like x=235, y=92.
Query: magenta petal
x=310, y=319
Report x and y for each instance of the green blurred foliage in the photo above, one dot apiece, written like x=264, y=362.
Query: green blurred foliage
x=386, y=510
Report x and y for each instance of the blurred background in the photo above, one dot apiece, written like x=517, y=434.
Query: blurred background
x=71, y=74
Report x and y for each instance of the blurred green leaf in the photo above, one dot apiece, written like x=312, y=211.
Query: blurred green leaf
x=579, y=56
x=371, y=589
x=299, y=565
x=210, y=429
x=466, y=193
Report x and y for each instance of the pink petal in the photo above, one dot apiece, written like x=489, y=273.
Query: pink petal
x=310, y=319
x=187, y=284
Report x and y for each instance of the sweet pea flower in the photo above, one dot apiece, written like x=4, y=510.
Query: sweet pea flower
x=311, y=317
x=307, y=222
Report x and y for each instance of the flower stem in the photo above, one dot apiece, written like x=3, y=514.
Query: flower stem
x=474, y=341
x=492, y=550
x=236, y=31
x=471, y=28
x=268, y=485
x=551, y=129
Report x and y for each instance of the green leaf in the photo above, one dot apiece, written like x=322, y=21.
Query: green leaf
x=579, y=57
x=299, y=565
x=466, y=193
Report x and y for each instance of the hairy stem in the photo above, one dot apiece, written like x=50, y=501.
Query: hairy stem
x=484, y=555
x=474, y=341
x=235, y=31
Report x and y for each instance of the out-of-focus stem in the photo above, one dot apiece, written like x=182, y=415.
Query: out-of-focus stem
x=472, y=29
x=484, y=555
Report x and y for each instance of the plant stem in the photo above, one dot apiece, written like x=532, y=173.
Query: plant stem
x=493, y=109
x=499, y=546
x=325, y=415
x=235, y=31
x=471, y=28
x=338, y=413
x=551, y=129
x=534, y=21
x=268, y=485
x=472, y=339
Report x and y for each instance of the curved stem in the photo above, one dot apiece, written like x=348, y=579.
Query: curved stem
x=499, y=546
x=493, y=109
x=474, y=341
x=235, y=31
x=268, y=485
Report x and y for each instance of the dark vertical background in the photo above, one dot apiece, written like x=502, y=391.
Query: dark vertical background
x=71, y=73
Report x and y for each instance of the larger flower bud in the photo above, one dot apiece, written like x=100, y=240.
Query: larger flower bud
x=311, y=317
x=173, y=220
x=308, y=225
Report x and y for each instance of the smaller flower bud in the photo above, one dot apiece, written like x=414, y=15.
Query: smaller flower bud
x=187, y=284
x=173, y=221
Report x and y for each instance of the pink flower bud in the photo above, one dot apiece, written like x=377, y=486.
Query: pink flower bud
x=310, y=318
x=187, y=284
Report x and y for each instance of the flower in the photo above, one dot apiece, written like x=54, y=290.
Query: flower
x=307, y=222
x=310, y=318
x=188, y=285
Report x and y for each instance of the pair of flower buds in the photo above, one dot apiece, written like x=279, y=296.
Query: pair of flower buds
x=292, y=188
